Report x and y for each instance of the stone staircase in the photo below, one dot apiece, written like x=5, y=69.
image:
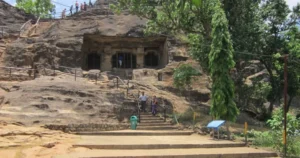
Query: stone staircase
x=130, y=144
x=155, y=138
x=149, y=122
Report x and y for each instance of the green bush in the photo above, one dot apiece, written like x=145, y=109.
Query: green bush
x=251, y=133
x=184, y=75
x=276, y=123
x=187, y=116
x=264, y=139
x=274, y=138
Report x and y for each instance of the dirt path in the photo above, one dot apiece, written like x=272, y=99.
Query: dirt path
x=32, y=142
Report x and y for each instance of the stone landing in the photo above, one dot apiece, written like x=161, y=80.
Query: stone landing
x=168, y=146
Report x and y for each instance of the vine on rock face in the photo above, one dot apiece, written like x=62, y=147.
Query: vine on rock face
x=220, y=63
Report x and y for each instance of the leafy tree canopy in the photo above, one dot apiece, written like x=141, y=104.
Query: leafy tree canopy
x=258, y=30
x=41, y=8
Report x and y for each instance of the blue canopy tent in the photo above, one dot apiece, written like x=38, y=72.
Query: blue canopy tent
x=215, y=125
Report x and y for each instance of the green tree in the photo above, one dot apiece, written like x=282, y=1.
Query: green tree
x=256, y=27
x=27, y=6
x=275, y=12
x=281, y=36
x=220, y=63
x=293, y=44
x=41, y=8
x=195, y=18
x=171, y=16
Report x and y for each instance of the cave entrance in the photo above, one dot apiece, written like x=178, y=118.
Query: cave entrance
x=151, y=59
x=94, y=61
x=124, y=60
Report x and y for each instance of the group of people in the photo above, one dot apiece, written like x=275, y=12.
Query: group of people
x=83, y=7
x=154, y=103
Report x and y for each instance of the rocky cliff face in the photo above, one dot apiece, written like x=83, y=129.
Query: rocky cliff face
x=59, y=42
x=60, y=100
x=12, y=17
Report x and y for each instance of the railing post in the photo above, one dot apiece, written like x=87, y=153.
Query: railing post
x=34, y=73
x=139, y=112
x=165, y=116
x=127, y=88
x=117, y=83
x=9, y=73
x=96, y=78
x=54, y=70
x=75, y=74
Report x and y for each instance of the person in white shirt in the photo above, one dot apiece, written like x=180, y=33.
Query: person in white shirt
x=143, y=99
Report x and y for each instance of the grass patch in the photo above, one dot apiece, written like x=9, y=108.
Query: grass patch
x=262, y=139
x=269, y=139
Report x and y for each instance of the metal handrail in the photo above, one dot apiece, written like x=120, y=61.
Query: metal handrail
x=120, y=80
x=165, y=114
x=66, y=73
x=16, y=68
x=139, y=111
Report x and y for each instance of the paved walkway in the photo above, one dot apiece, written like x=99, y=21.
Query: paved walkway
x=138, y=133
x=122, y=140
x=183, y=146
x=243, y=152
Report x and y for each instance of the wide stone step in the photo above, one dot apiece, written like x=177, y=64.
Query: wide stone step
x=151, y=118
x=156, y=128
x=238, y=152
x=147, y=115
x=158, y=146
x=154, y=124
x=136, y=133
x=152, y=121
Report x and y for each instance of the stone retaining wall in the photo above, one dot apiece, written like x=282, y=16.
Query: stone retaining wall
x=87, y=127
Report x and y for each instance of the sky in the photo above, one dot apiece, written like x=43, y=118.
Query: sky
x=60, y=4
x=68, y=3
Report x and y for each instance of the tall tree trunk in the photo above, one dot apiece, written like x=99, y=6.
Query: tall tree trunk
x=289, y=103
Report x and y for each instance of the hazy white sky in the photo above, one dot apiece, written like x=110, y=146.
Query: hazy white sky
x=68, y=3
x=60, y=4
x=292, y=3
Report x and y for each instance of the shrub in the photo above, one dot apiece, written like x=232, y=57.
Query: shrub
x=264, y=139
x=274, y=137
x=277, y=128
x=187, y=116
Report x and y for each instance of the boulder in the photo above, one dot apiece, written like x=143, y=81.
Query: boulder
x=92, y=74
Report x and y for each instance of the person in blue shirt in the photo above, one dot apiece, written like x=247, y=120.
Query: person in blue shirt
x=120, y=60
